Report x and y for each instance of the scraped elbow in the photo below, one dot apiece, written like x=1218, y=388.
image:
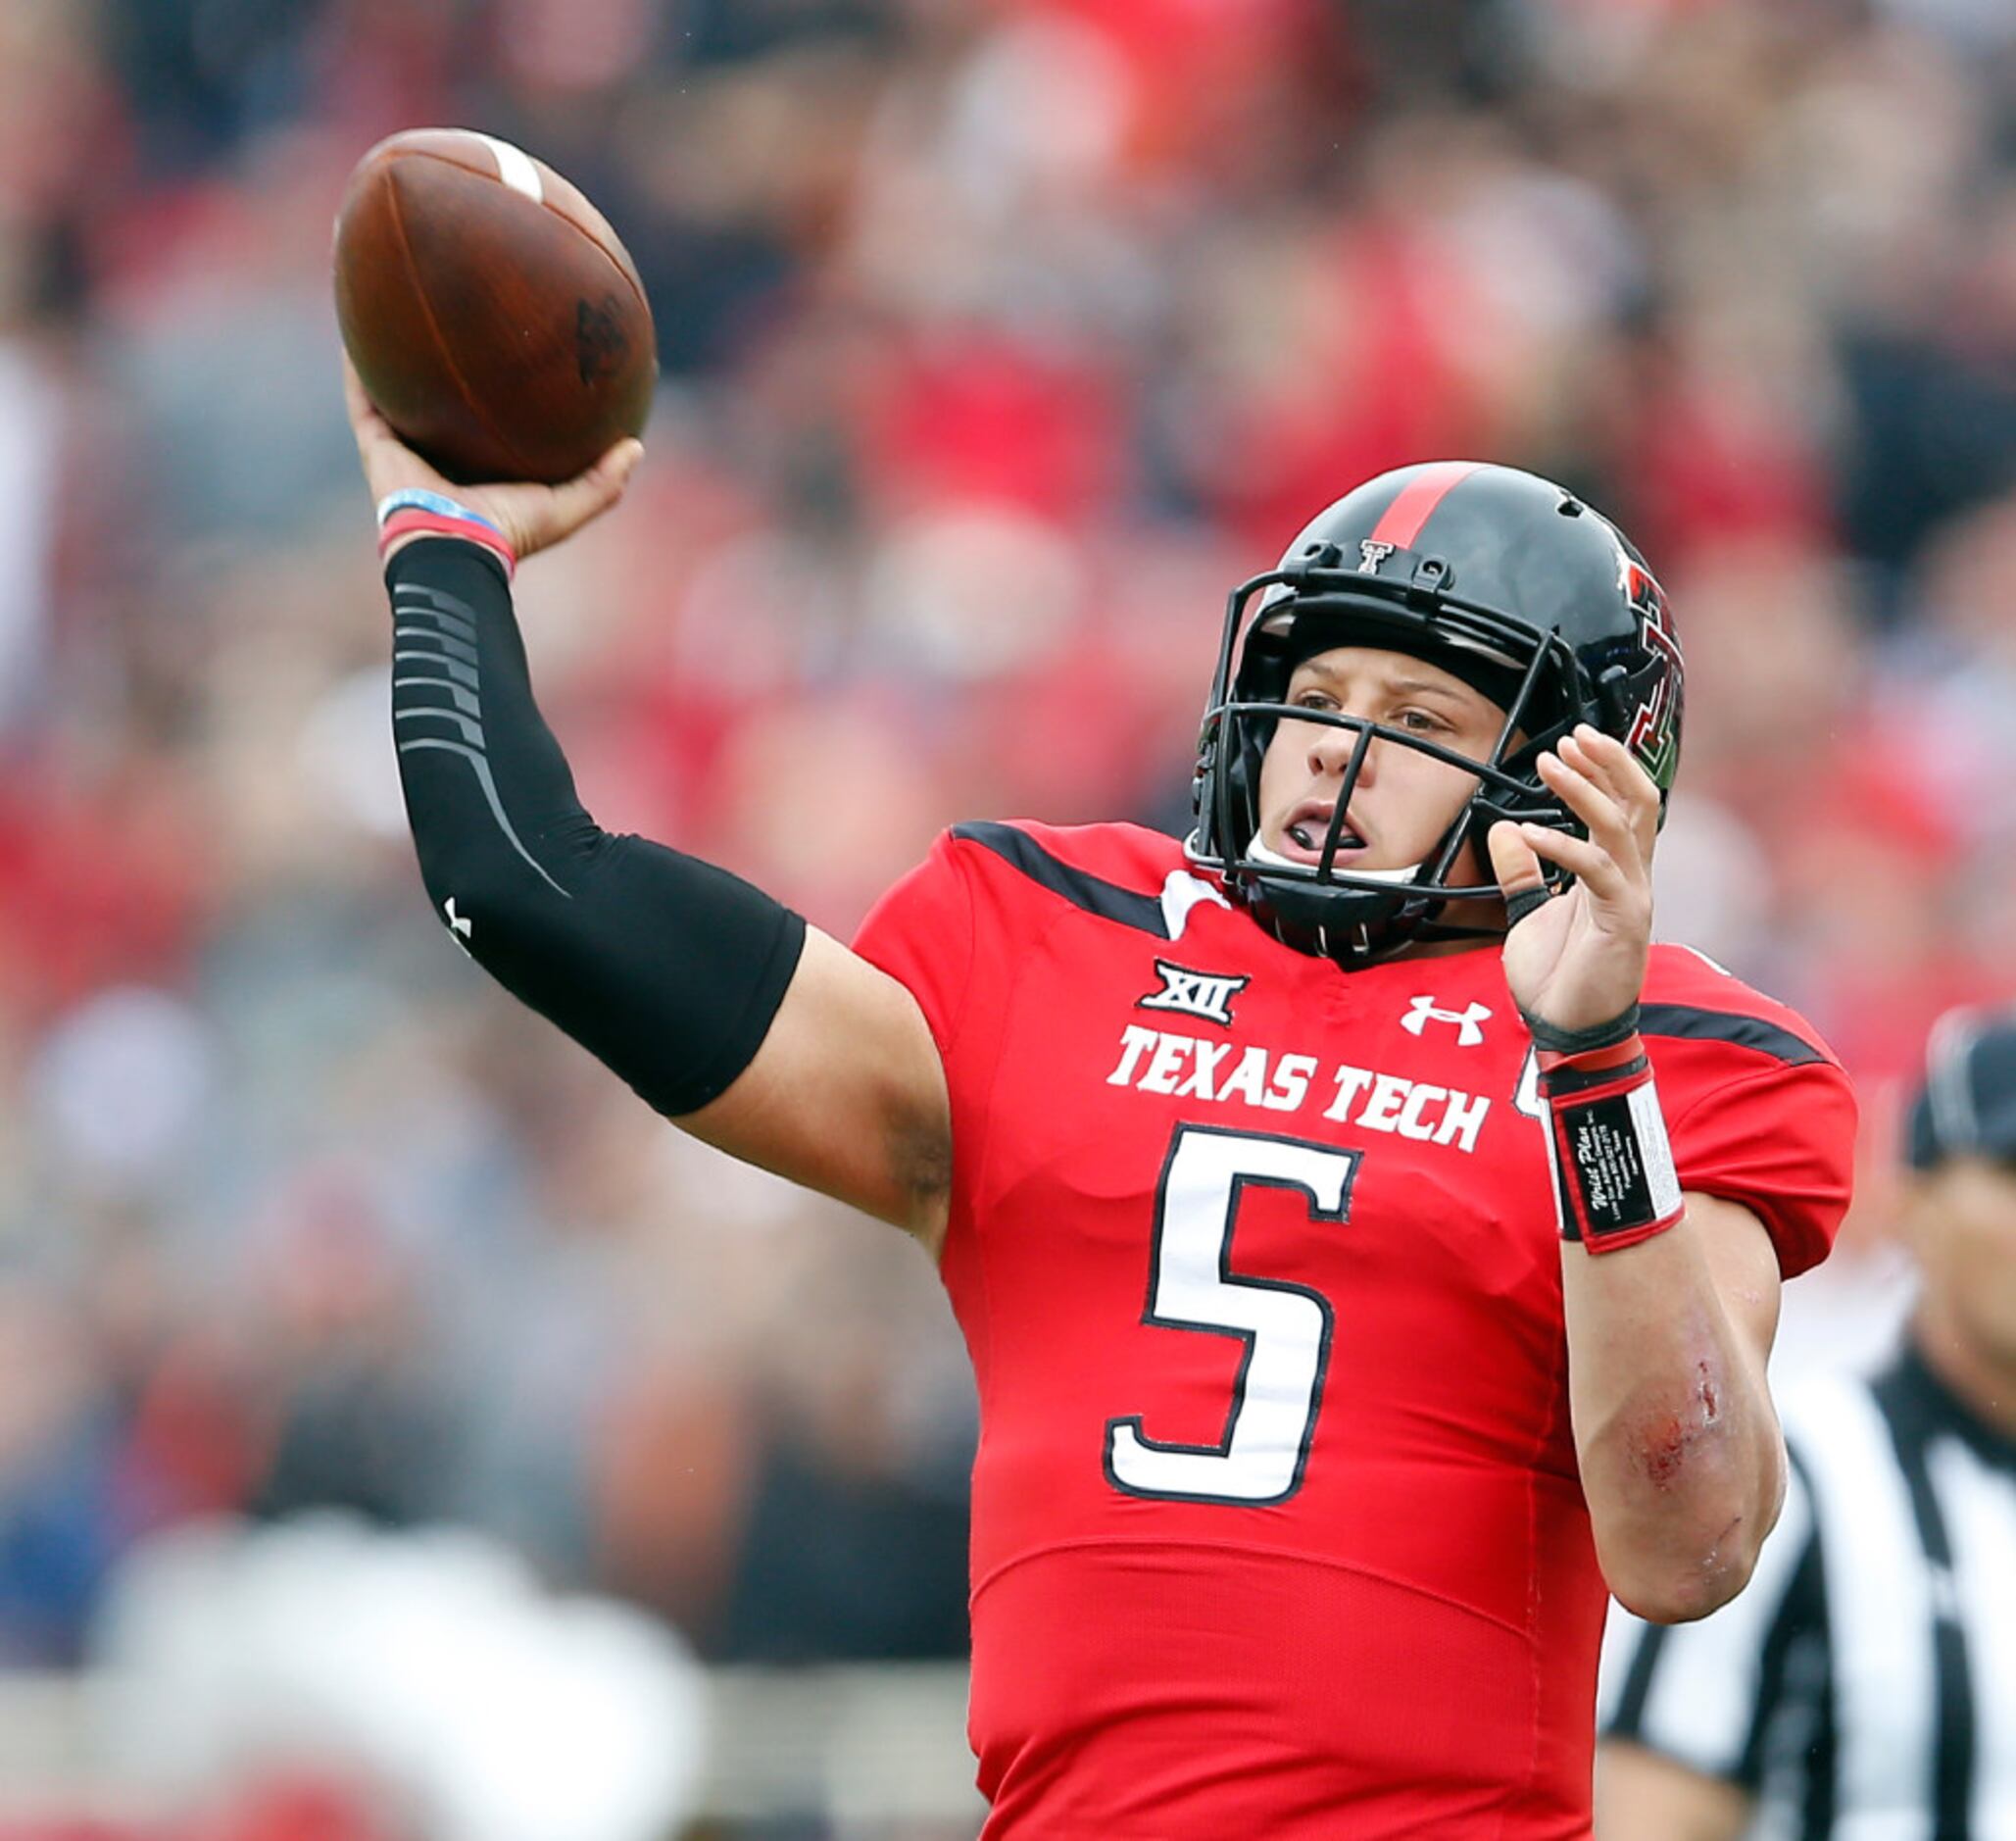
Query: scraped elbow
x=1683, y=1593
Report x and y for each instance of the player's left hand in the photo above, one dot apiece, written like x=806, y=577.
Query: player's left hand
x=1578, y=960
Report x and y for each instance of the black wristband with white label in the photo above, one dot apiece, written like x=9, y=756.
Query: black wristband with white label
x=1615, y=1182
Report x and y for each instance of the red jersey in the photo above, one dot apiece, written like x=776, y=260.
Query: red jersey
x=1277, y=1529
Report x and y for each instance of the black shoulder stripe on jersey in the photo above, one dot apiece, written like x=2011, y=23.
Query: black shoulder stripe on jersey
x=1082, y=889
x=1728, y=1025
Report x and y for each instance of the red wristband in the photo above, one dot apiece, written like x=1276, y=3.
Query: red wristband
x=411, y=523
x=1614, y=1180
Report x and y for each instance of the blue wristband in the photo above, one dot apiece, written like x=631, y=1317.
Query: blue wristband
x=418, y=499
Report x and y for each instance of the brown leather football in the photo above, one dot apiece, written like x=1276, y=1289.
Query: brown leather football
x=493, y=315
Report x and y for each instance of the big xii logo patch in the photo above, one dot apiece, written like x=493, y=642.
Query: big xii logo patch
x=1206, y=994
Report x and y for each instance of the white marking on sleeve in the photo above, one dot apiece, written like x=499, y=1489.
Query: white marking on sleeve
x=1180, y=892
x=1662, y=1181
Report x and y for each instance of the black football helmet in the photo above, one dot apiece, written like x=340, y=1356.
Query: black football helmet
x=1500, y=578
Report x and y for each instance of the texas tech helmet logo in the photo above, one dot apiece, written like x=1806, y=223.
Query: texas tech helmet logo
x=1654, y=732
x=1206, y=994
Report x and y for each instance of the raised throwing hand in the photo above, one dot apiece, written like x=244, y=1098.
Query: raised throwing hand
x=1578, y=960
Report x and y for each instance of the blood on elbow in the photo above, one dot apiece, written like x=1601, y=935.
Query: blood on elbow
x=1661, y=1444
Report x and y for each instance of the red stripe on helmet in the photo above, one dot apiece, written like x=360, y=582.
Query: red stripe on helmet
x=1402, y=521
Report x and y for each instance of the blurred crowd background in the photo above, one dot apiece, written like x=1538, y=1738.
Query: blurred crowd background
x=998, y=339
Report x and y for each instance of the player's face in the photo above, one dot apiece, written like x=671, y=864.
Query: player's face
x=1963, y=1229
x=1405, y=800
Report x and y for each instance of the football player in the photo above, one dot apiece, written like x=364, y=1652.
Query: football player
x=1367, y=1242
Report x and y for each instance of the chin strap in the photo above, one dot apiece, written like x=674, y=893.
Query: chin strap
x=1353, y=947
x=1395, y=934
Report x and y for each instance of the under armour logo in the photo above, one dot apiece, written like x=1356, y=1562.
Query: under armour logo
x=1205, y=994
x=1371, y=553
x=1468, y=1030
x=459, y=925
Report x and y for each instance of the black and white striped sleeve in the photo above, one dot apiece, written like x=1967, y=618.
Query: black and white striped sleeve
x=1713, y=1695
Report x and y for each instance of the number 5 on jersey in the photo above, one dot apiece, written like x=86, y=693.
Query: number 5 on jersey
x=1285, y=1328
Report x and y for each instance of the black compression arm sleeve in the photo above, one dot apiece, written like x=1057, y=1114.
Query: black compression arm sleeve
x=666, y=969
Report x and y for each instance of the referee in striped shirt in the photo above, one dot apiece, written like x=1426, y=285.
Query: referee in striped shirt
x=1865, y=1686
